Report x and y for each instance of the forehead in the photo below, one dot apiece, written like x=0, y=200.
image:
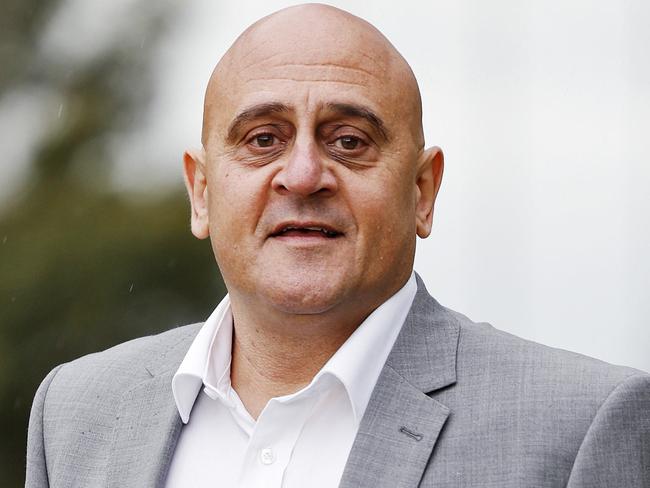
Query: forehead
x=306, y=87
x=306, y=73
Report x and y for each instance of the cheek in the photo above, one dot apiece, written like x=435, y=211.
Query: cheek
x=235, y=203
x=236, y=200
x=389, y=239
x=386, y=206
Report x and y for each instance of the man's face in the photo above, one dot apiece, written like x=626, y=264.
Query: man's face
x=312, y=178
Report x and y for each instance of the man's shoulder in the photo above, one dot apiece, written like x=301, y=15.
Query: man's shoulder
x=555, y=415
x=490, y=356
x=127, y=363
x=77, y=406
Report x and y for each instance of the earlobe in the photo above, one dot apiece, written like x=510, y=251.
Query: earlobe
x=429, y=178
x=197, y=190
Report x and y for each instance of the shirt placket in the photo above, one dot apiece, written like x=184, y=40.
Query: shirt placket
x=272, y=442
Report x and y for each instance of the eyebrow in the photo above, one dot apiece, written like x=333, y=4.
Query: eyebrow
x=360, y=111
x=266, y=109
x=251, y=113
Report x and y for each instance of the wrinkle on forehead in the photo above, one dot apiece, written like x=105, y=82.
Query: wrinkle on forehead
x=316, y=43
x=332, y=65
x=305, y=80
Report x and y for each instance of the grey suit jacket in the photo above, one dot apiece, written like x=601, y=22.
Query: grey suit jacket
x=457, y=404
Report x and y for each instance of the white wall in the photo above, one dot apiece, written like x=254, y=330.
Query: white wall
x=543, y=225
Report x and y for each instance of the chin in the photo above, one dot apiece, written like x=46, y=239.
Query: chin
x=307, y=296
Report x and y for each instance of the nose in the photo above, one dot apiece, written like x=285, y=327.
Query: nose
x=304, y=172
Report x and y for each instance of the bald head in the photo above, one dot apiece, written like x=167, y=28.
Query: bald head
x=318, y=44
x=313, y=183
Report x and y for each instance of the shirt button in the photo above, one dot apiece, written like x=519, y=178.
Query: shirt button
x=267, y=456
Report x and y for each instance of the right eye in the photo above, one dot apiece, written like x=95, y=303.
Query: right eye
x=263, y=140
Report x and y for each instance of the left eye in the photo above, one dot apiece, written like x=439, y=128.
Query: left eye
x=348, y=142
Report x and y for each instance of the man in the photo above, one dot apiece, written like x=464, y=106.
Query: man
x=328, y=363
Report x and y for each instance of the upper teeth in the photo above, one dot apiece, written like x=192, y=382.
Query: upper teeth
x=318, y=229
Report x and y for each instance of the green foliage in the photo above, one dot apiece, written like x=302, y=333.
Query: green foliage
x=82, y=272
x=82, y=265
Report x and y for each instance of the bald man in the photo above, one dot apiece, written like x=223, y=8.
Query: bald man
x=328, y=363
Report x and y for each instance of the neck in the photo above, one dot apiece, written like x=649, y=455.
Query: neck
x=278, y=354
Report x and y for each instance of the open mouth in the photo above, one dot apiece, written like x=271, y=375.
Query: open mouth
x=306, y=231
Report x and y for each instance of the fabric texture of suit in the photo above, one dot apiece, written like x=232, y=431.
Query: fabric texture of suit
x=457, y=404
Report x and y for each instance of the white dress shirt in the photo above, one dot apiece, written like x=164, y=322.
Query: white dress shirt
x=301, y=439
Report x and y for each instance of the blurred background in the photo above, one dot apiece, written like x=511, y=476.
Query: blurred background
x=541, y=228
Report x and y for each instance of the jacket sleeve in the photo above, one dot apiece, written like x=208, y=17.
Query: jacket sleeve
x=616, y=450
x=36, y=475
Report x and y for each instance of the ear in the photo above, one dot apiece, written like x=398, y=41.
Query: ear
x=197, y=189
x=429, y=177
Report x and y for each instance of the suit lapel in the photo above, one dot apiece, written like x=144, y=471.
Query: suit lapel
x=402, y=423
x=148, y=424
x=396, y=436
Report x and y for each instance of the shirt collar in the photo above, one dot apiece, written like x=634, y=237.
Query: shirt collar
x=188, y=379
x=357, y=363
